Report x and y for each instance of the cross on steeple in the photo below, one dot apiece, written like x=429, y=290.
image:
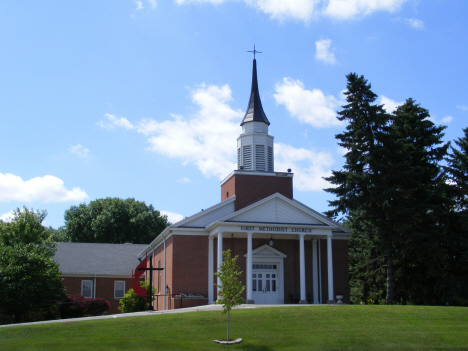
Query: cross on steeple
x=255, y=52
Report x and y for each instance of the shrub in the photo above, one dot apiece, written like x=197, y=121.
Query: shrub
x=131, y=302
x=76, y=306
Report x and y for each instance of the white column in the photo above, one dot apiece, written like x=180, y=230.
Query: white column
x=315, y=280
x=210, y=270
x=220, y=258
x=249, y=268
x=331, y=293
x=302, y=268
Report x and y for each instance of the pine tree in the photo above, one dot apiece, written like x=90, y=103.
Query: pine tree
x=391, y=182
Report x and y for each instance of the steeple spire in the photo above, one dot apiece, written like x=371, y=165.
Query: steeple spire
x=254, y=109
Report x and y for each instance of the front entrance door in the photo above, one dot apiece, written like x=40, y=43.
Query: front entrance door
x=265, y=284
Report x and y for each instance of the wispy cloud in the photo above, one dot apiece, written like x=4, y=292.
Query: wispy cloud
x=183, y=180
x=172, y=217
x=389, y=104
x=208, y=137
x=308, y=106
x=462, y=107
x=305, y=10
x=355, y=9
x=309, y=166
x=324, y=52
x=112, y=122
x=46, y=189
x=79, y=150
x=415, y=23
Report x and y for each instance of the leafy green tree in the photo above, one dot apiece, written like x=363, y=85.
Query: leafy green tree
x=231, y=289
x=131, y=302
x=29, y=277
x=115, y=221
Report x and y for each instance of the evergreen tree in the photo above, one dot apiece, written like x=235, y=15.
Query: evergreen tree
x=391, y=184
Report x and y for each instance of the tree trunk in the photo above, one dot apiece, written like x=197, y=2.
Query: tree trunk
x=390, y=280
x=228, y=329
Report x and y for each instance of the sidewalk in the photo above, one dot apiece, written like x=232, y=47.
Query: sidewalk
x=151, y=313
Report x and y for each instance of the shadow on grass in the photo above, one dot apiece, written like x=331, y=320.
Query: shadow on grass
x=250, y=347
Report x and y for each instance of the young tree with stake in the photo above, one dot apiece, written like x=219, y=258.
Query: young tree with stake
x=231, y=289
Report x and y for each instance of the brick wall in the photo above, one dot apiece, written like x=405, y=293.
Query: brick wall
x=340, y=269
x=252, y=188
x=104, y=288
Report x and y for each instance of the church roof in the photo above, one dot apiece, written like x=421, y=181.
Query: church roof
x=254, y=109
x=99, y=259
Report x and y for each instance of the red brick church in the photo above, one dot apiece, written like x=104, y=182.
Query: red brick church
x=288, y=252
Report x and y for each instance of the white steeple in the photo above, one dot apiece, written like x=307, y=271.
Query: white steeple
x=255, y=145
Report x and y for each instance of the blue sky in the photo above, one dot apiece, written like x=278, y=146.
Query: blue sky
x=144, y=98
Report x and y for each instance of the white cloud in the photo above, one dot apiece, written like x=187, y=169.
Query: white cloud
x=462, y=107
x=139, y=5
x=389, y=104
x=281, y=10
x=46, y=189
x=323, y=52
x=152, y=3
x=305, y=10
x=111, y=122
x=207, y=139
x=79, y=150
x=445, y=120
x=309, y=166
x=308, y=106
x=7, y=217
x=415, y=23
x=183, y=180
x=172, y=217
x=351, y=9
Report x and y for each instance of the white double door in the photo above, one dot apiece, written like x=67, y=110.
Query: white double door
x=265, y=284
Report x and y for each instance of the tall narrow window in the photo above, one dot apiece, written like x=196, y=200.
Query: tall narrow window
x=260, y=157
x=270, y=159
x=87, y=288
x=119, y=289
x=247, y=153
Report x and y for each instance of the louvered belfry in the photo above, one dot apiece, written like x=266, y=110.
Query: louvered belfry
x=255, y=177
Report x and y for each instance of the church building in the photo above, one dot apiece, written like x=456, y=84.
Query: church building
x=288, y=252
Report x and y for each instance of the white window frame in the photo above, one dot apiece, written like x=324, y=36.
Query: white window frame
x=115, y=289
x=90, y=288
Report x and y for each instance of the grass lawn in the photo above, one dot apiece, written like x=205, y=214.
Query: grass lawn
x=280, y=328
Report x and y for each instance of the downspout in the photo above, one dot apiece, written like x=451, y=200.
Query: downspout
x=94, y=293
x=320, y=269
x=164, y=285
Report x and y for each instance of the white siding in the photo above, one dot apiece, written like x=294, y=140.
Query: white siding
x=277, y=211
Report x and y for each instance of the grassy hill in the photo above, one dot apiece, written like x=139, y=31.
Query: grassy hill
x=280, y=328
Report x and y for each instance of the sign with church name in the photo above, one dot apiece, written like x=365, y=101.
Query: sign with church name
x=277, y=229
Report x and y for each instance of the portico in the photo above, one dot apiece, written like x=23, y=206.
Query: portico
x=264, y=265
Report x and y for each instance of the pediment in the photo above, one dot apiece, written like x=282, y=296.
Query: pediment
x=266, y=251
x=279, y=209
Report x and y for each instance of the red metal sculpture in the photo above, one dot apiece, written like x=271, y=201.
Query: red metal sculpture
x=139, y=270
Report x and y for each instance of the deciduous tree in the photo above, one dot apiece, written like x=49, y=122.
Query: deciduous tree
x=231, y=289
x=115, y=221
x=29, y=277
